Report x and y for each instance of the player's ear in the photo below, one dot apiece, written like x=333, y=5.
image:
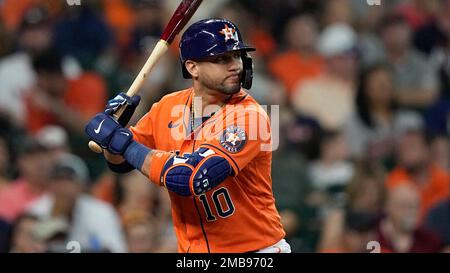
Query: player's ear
x=192, y=68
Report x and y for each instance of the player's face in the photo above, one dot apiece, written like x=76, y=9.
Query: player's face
x=221, y=73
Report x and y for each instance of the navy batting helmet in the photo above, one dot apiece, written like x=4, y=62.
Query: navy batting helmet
x=213, y=37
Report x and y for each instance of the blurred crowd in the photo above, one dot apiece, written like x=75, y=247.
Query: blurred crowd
x=364, y=95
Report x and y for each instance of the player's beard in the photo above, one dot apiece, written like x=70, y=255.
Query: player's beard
x=223, y=86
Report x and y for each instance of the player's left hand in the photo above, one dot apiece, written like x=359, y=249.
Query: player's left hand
x=109, y=134
x=123, y=100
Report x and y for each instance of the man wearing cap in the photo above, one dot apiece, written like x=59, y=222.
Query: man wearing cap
x=329, y=98
x=93, y=223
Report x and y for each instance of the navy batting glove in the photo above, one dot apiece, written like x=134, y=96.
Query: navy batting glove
x=123, y=100
x=101, y=129
x=120, y=140
x=109, y=134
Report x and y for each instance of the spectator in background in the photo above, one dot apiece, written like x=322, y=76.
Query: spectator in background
x=438, y=221
x=364, y=199
x=433, y=35
x=140, y=232
x=52, y=233
x=267, y=90
x=34, y=37
x=32, y=183
x=58, y=100
x=94, y=224
x=329, y=98
x=440, y=152
x=366, y=20
x=331, y=173
x=371, y=130
x=120, y=71
x=5, y=162
x=436, y=38
x=143, y=206
x=415, y=79
x=5, y=233
x=55, y=139
x=299, y=61
x=399, y=231
x=120, y=16
x=148, y=22
x=418, y=12
x=23, y=239
x=358, y=230
x=366, y=191
x=83, y=33
x=137, y=195
x=415, y=168
x=337, y=12
x=290, y=171
x=129, y=193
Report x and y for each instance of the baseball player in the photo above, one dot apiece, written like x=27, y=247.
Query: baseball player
x=200, y=144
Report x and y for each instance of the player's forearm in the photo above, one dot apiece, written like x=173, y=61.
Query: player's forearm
x=138, y=157
x=145, y=168
x=149, y=162
x=153, y=165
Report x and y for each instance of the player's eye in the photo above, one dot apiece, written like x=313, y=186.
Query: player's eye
x=226, y=58
x=223, y=59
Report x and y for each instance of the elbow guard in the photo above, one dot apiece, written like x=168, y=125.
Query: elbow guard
x=196, y=173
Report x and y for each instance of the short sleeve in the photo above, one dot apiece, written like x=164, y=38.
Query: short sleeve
x=143, y=131
x=242, y=137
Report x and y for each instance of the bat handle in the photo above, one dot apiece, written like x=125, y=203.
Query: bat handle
x=95, y=147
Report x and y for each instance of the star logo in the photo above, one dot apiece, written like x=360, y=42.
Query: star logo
x=229, y=33
x=233, y=139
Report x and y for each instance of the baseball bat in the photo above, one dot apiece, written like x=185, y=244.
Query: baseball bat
x=179, y=19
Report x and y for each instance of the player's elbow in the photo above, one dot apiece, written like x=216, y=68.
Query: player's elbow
x=195, y=175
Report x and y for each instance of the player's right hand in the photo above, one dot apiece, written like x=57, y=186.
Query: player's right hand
x=123, y=100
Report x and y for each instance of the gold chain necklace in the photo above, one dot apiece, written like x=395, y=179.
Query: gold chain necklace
x=193, y=111
x=192, y=114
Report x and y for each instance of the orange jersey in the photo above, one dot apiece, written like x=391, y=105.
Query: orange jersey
x=239, y=214
x=434, y=191
x=85, y=95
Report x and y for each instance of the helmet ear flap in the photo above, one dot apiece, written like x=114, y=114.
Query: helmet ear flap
x=247, y=75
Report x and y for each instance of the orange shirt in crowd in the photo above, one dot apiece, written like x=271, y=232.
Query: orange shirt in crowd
x=85, y=95
x=291, y=68
x=263, y=41
x=120, y=16
x=434, y=191
x=14, y=200
x=13, y=11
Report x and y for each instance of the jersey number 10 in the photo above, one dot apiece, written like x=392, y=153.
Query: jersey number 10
x=221, y=211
